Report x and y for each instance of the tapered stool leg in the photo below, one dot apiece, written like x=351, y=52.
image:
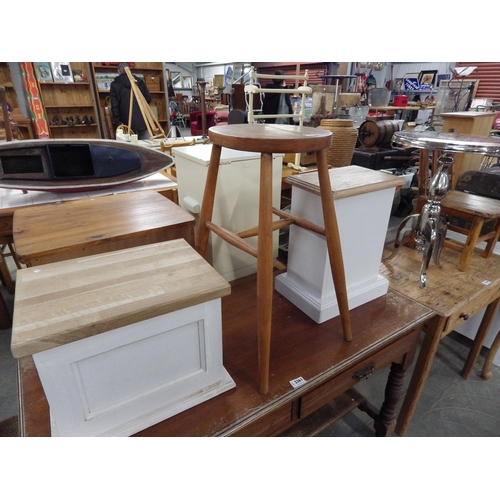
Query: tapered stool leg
x=265, y=270
x=333, y=243
x=207, y=205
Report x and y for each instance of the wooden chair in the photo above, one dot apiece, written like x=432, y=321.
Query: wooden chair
x=268, y=139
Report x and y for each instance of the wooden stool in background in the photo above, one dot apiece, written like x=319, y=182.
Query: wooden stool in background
x=478, y=210
x=268, y=139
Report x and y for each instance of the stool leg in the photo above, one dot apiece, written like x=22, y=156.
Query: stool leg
x=207, y=205
x=333, y=243
x=490, y=246
x=470, y=244
x=265, y=269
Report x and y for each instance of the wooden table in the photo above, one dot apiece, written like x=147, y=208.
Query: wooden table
x=61, y=231
x=455, y=296
x=386, y=331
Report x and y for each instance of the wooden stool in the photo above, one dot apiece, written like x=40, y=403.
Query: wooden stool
x=478, y=210
x=268, y=139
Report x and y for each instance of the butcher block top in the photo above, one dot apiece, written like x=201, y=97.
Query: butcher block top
x=66, y=301
x=348, y=181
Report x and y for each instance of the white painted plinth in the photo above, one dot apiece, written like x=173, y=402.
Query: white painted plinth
x=363, y=200
x=122, y=381
x=122, y=340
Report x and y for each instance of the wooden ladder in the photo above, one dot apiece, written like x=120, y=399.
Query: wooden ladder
x=153, y=125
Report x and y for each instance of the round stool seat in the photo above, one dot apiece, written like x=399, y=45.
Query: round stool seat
x=270, y=138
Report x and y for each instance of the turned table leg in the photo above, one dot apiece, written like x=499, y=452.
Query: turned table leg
x=385, y=423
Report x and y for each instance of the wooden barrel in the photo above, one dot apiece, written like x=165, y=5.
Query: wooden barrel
x=377, y=133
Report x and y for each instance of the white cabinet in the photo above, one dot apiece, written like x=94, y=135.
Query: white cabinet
x=236, y=200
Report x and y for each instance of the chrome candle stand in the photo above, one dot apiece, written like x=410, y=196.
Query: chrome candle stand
x=429, y=225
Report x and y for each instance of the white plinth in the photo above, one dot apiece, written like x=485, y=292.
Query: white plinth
x=236, y=204
x=122, y=381
x=363, y=200
x=122, y=340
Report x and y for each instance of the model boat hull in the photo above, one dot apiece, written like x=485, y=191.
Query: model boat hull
x=63, y=165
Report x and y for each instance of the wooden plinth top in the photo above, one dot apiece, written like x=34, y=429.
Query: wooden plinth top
x=59, y=303
x=348, y=181
x=270, y=138
x=42, y=230
x=472, y=204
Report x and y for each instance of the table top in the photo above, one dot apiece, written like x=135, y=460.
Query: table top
x=300, y=347
x=452, y=143
x=62, y=302
x=271, y=138
x=448, y=289
x=43, y=230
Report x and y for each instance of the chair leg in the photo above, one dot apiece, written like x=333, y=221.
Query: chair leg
x=333, y=243
x=265, y=270
x=207, y=204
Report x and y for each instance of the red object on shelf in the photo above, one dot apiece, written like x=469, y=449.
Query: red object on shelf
x=401, y=100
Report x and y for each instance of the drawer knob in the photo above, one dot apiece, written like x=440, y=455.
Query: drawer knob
x=464, y=316
x=364, y=373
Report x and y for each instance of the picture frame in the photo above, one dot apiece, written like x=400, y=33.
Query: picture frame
x=104, y=80
x=43, y=72
x=61, y=72
x=427, y=77
x=399, y=84
x=440, y=78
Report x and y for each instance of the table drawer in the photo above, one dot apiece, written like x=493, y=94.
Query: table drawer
x=469, y=310
x=323, y=394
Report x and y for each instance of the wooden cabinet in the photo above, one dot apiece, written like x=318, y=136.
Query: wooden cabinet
x=152, y=73
x=468, y=123
x=70, y=106
x=23, y=128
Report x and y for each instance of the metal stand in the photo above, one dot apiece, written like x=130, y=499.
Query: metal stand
x=429, y=225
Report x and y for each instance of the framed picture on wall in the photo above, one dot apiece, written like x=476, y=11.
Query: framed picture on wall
x=61, y=71
x=427, y=77
x=444, y=76
x=43, y=72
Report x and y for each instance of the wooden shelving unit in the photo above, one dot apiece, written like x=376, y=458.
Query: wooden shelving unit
x=154, y=76
x=70, y=106
x=24, y=129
